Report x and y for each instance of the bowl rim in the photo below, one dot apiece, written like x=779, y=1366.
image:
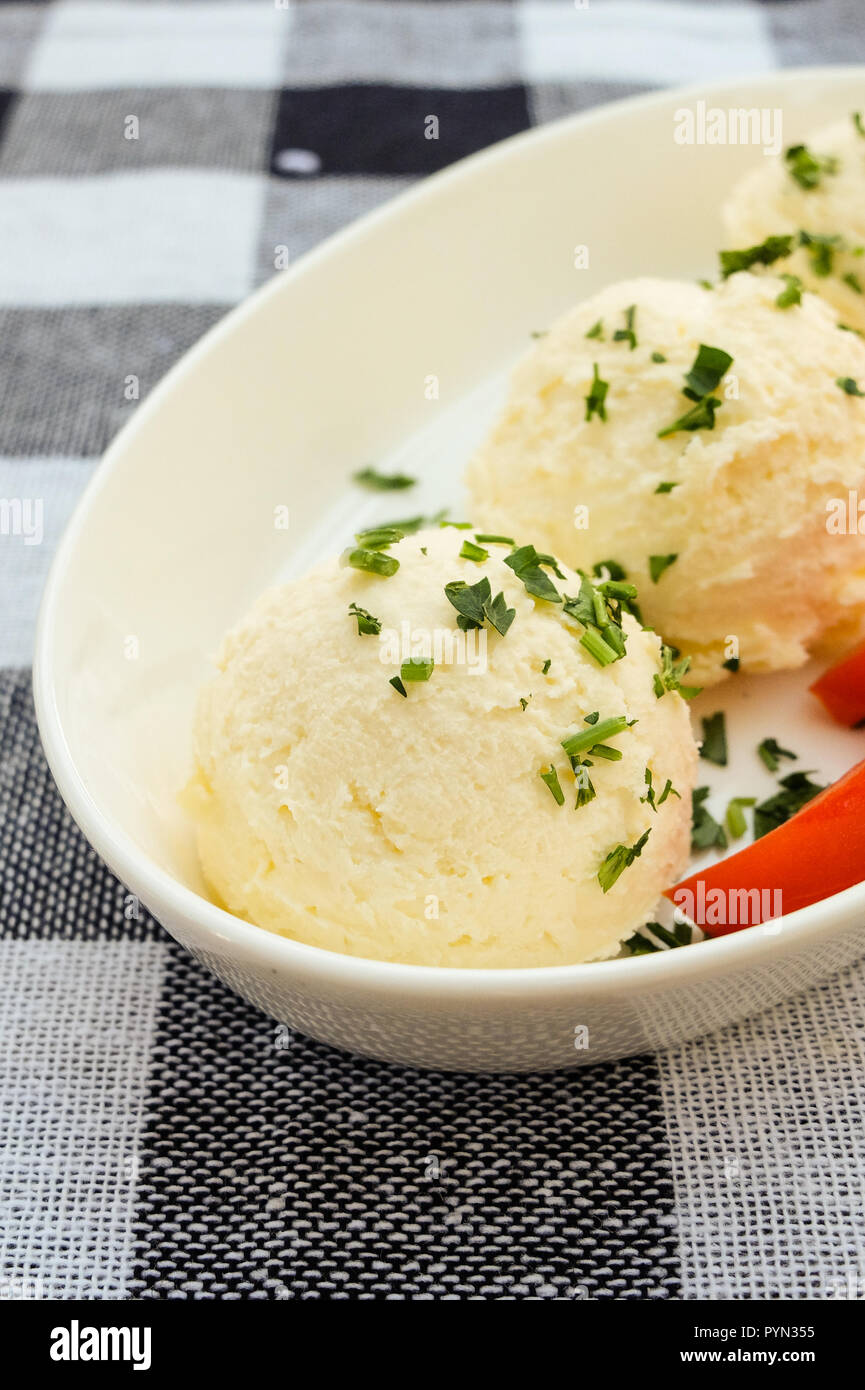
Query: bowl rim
x=166, y=897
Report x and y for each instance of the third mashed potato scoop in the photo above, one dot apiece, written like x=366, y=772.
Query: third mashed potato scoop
x=696, y=440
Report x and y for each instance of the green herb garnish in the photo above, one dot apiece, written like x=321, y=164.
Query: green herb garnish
x=774, y=248
x=658, y=357
x=708, y=370
x=731, y=664
x=551, y=779
x=853, y=281
x=596, y=399
x=383, y=482
x=372, y=561
x=665, y=487
x=705, y=830
x=640, y=945
x=655, y=801
x=367, y=625
x=586, y=740
x=486, y=539
x=596, y=330
x=791, y=293
x=417, y=668
x=619, y=859
x=796, y=791
x=659, y=563
x=857, y=122
x=398, y=686
x=627, y=334
x=702, y=417
x=379, y=537
x=734, y=817
x=807, y=168
x=821, y=251
x=671, y=674
x=714, y=745
x=526, y=563
x=470, y=551
x=475, y=605
x=770, y=753
x=546, y=666
x=849, y=386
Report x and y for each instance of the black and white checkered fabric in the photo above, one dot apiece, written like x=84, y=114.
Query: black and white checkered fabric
x=158, y=1137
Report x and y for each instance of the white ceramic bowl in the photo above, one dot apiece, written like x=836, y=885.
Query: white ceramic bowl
x=324, y=369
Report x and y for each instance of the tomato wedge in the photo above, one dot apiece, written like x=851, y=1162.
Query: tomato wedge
x=816, y=853
x=842, y=688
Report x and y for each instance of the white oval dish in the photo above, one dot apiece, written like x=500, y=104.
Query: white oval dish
x=327, y=368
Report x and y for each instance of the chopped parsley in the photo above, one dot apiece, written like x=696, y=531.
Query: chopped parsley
x=853, y=281
x=731, y=664
x=665, y=487
x=527, y=564
x=659, y=563
x=774, y=248
x=417, y=668
x=641, y=945
x=707, y=372
x=791, y=293
x=596, y=399
x=546, y=666
x=856, y=118
x=705, y=830
x=372, y=561
x=596, y=330
x=849, y=386
x=714, y=745
x=770, y=753
x=599, y=608
x=807, y=168
x=734, y=817
x=658, y=357
x=796, y=791
x=470, y=551
x=655, y=801
x=671, y=673
x=701, y=417
x=367, y=625
x=398, y=686
x=619, y=859
x=383, y=482
x=524, y=704
x=551, y=779
x=475, y=605
x=627, y=334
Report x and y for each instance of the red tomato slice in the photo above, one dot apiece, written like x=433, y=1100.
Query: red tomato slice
x=818, y=852
x=842, y=688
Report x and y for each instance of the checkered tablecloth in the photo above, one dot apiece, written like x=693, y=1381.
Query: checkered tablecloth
x=158, y=1139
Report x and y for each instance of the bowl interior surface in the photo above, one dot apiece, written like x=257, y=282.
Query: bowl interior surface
x=389, y=345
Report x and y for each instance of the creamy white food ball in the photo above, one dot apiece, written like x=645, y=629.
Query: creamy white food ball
x=333, y=810
x=771, y=201
x=744, y=507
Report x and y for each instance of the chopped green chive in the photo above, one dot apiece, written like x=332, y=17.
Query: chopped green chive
x=546, y=666
x=774, y=248
x=596, y=330
x=731, y=664
x=627, y=334
x=849, y=386
x=655, y=801
x=595, y=645
x=705, y=830
x=665, y=487
x=398, y=686
x=456, y=525
x=791, y=293
x=853, y=281
x=493, y=540
x=807, y=168
x=585, y=789
x=379, y=537
x=734, y=817
x=367, y=625
x=796, y=791
x=658, y=357
x=857, y=122
x=474, y=604
x=770, y=753
x=596, y=399
x=618, y=860
x=586, y=740
x=714, y=745
x=659, y=563
x=372, y=561
x=551, y=779
x=383, y=482
x=524, y=703
x=470, y=551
